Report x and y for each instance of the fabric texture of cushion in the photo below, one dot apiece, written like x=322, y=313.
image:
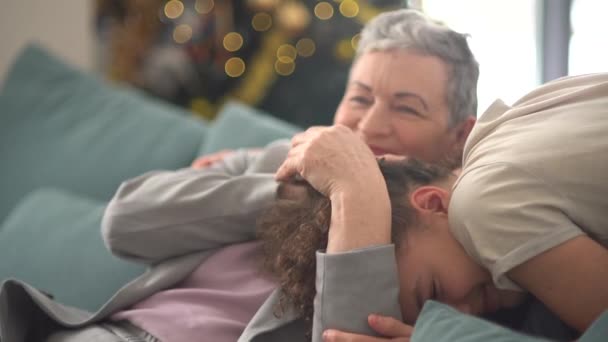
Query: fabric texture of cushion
x=52, y=241
x=239, y=126
x=67, y=129
x=438, y=322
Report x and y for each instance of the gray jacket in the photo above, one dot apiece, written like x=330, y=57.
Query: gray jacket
x=173, y=220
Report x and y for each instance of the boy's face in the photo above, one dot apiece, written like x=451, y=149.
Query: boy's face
x=432, y=264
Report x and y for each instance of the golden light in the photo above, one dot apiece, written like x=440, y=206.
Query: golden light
x=284, y=68
x=234, y=67
x=306, y=47
x=233, y=41
x=293, y=16
x=262, y=5
x=182, y=33
x=173, y=9
x=349, y=8
x=203, y=107
x=344, y=50
x=324, y=10
x=286, y=53
x=204, y=6
x=261, y=22
x=355, y=41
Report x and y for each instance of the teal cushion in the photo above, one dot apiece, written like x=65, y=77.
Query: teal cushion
x=52, y=240
x=438, y=323
x=63, y=128
x=598, y=331
x=239, y=126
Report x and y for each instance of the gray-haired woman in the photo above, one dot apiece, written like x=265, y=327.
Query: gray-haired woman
x=412, y=91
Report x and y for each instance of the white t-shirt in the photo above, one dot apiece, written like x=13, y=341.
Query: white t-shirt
x=534, y=175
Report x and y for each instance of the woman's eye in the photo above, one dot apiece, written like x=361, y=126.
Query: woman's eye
x=407, y=110
x=360, y=100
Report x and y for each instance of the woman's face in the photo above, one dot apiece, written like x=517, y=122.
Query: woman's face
x=396, y=101
x=432, y=264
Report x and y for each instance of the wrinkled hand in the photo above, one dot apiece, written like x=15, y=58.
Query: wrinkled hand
x=332, y=159
x=338, y=164
x=392, y=330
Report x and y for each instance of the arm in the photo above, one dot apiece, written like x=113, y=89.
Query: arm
x=358, y=274
x=164, y=214
x=571, y=279
x=352, y=285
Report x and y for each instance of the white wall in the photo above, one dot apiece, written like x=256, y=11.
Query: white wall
x=63, y=26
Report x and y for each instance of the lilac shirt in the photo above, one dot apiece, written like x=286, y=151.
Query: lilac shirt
x=214, y=303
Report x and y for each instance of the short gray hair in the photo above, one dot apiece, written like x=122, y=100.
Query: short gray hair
x=411, y=30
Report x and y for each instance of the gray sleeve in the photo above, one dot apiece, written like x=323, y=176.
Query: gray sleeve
x=164, y=214
x=352, y=285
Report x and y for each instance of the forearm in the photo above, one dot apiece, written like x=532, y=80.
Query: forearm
x=359, y=220
x=164, y=214
x=352, y=285
x=173, y=216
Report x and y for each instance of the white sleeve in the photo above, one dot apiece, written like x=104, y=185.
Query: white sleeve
x=504, y=216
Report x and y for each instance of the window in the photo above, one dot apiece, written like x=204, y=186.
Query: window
x=503, y=39
x=588, y=49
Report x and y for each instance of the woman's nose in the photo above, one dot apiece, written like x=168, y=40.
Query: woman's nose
x=375, y=122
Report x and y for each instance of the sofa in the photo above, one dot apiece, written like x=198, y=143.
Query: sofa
x=68, y=139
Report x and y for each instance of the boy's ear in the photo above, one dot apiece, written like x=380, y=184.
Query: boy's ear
x=430, y=199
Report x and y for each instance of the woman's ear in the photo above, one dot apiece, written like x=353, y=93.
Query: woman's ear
x=430, y=199
x=464, y=129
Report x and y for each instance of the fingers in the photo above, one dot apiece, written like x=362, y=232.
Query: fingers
x=389, y=326
x=291, y=166
x=205, y=161
x=341, y=336
x=393, y=157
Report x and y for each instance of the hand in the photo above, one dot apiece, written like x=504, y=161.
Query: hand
x=206, y=161
x=392, y=330
x=338, y=164
x=332, y=159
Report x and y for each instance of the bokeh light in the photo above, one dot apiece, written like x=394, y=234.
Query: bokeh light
x=262, y=5
x=286, y=53
x=174, y=9
x=324, y=10
x=349, y=8
x=306, y=47
x=182, y=33
x=284, y=68
x=234, y=67
x=344, y=50
x=293, y=16
x=261, y=22
x=204, y=6
x=233, y=41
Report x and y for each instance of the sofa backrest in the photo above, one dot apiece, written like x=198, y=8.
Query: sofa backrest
x=62, y=128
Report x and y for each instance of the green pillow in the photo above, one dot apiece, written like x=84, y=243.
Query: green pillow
x=52, y=240
x=438, y=323
x=63, y=128
x=239, y=126
x=598, y=331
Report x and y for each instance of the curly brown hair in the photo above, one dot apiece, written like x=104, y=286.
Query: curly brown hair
x=297, y=225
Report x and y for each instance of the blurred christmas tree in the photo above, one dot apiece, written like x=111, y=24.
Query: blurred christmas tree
x=290, y=58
